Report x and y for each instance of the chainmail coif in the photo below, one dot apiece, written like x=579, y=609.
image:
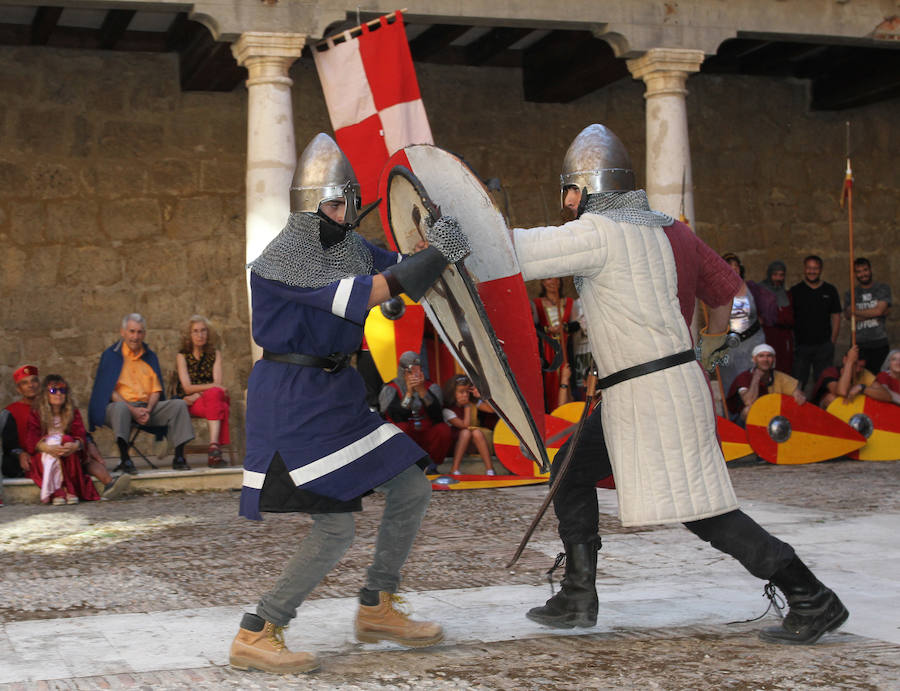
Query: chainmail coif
x=296, y=257
x=627, y=207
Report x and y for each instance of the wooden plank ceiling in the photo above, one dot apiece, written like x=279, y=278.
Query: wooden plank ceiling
x=557, y=66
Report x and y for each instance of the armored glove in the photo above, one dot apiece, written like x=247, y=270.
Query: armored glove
x=416, y=273
x=446, y=236
x=712, y=348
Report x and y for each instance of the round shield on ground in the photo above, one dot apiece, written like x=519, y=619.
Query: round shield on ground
x=732, y=439
x=392, y=331
x=509, y=451
x=877, y=421
x=782, y=432
x=460, y=482
x=572, y=413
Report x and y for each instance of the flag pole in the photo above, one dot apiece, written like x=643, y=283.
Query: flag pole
x=847, y=194
x=356, y=31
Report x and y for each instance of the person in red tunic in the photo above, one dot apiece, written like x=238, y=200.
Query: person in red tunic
x=56, y=440
x=415, y=405
x=18, y=462
x=553, y=317
x=889, y=377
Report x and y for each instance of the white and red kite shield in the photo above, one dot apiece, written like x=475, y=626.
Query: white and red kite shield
x=372, y=96
x=481, y=307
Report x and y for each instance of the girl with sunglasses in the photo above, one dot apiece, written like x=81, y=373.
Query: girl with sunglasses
x=56, y=441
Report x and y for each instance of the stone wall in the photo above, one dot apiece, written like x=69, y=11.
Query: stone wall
x=120, y=193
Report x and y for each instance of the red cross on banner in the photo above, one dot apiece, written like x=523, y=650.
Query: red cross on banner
x=372, y=96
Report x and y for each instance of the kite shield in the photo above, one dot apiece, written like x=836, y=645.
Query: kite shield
x=454, y=304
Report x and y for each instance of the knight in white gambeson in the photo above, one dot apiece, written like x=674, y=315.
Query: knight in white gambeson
x=638, y=273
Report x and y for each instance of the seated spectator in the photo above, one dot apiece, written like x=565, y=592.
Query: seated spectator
x=889, y=377
x=199, y=367
x=56, y=441
x=851, y=380
x=28, y=384
x=15, y=459
x=759, y=380
x=128, y=390
x=414, y=404
x=462, y=416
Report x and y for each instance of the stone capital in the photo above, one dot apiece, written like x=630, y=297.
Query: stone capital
x=665, y=70
x=268, y=55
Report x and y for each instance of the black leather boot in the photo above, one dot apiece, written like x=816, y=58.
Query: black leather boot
x=576, y=602
x=814, y=609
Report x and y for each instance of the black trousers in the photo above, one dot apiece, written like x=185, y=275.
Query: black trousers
x=816, y=356
x=575, y=504
x=874, y=355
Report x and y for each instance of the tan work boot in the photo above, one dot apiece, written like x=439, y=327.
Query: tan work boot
x=384, y=622
x=265, y=649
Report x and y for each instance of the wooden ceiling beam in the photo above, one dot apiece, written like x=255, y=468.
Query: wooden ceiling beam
x=566, y=65
x=435, y=39
x=43, y=24
x=114, y=26
x=492, y=44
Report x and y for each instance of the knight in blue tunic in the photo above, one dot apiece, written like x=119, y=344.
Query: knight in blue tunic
x=313, y=444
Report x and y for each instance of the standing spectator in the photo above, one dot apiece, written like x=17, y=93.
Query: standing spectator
x=199, y=367
x=128, y=390
x=817, y=322
x=780, y=333
x=745, y=322
x=414, y=404
x=553, y=316
x=873, y=300
x=56, y=440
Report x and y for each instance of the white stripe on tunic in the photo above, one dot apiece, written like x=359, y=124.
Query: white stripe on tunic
x=338, y=459
x=342, y=297
x=253, y=480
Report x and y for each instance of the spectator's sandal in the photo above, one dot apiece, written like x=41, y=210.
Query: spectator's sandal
x=214, y=456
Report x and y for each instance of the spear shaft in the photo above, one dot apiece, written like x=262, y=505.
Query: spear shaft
x=847, y=193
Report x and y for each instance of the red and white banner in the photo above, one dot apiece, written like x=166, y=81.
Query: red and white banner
x=372, y=96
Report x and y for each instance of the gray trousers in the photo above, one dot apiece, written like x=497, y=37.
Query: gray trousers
x=406, y=499
x=172, y=414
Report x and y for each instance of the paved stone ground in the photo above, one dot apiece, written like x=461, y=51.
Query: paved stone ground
x=179, y=551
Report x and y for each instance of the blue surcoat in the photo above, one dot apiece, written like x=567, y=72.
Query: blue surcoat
x=331, y=442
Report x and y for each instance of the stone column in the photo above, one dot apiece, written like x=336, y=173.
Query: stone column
x=271, y=150
x=665, y=71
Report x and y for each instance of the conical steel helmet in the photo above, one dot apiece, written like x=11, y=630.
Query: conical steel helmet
x=596, y=160
x=324, y=174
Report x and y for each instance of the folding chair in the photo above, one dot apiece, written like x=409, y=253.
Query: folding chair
x=135, y=433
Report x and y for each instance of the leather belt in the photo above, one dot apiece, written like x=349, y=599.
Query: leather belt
x=744, y=335
x=646, y=368
x=331, y=363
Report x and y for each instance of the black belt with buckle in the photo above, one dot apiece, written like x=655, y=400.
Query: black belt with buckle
x=646, y=368
x=744, y=335
x=330, y=363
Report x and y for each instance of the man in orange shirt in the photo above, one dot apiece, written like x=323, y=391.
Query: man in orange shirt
x=128, y=390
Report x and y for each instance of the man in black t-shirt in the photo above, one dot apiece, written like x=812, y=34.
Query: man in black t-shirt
x=817, y=322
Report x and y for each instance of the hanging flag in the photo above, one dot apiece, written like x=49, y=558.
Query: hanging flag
x=372, y=95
